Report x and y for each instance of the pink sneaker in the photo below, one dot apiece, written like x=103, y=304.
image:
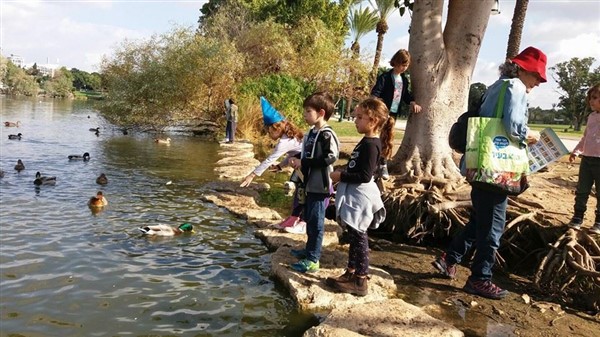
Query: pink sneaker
x=290, y=221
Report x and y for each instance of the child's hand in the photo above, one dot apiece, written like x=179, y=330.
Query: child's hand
x=247, y=180
x=295, y=163
x=414, y=107
x=533, y=136
x=572, y=157
x=335, y=176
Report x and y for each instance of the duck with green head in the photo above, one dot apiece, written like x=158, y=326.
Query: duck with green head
x=166, y=230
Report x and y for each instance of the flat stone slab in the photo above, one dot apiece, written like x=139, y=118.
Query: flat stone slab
x=309, y=290
x=392, y=317
x=274, y=237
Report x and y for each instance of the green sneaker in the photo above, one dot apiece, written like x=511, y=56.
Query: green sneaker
x=306, y=266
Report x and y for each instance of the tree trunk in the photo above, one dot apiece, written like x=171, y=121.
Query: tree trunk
x=516, y=29
x=441, y=72
x=381, y=30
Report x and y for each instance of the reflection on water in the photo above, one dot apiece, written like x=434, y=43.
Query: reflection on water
x=69, y=271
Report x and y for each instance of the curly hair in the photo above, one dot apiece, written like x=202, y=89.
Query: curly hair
x=288, y=128
x=376, y=109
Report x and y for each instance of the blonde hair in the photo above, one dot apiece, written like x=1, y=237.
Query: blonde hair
x=375, y=109
x=287, y=128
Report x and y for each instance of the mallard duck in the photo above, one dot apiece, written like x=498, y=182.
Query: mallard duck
x=163, y=141
x=43, y=180
x=84, y=157
x=166, y=230
x=98, y=201
x=12, y=124
x=17, y=136
x=20, y=166
x=102, y=180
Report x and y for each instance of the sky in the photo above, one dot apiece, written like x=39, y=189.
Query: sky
x=77, y=34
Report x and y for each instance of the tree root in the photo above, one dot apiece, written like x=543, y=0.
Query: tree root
x=566, y=261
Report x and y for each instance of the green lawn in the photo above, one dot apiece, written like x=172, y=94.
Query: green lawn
x=347, y=129
x=559, y=129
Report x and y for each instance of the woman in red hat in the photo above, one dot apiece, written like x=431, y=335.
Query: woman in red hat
x=486, y=225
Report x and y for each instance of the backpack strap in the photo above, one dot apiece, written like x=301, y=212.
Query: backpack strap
x=500, y=103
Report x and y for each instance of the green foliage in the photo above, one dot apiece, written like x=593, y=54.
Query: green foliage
x=168, y=78
x=83, y=80
x=574, y=77
x=284, y=92
x=61, y=85
x=18, y=82
x=361, y=22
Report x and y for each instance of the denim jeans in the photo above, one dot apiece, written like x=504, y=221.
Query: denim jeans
x=314, y=215
x=230, y=130
x=589, y=174
x=485, y=228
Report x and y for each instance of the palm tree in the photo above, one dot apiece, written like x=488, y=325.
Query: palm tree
x=361, y=22
x=516, y=28
x=384, y=8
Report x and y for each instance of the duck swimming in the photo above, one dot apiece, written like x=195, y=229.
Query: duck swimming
x=165, y=230
x=95, y=129
x=20, y=166
x=84, y=157
x=163, y=141
x=98, y=201
x=17, y=136
x=102, y=179
x=12, y=124
x=43, y=180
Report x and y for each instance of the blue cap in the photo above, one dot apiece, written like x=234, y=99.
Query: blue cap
x=270, y=114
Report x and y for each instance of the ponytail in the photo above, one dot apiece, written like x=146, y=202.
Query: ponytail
x=387, y=137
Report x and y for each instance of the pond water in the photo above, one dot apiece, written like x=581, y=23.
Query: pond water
x=66, y=271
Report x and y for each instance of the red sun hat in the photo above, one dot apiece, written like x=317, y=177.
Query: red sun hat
x=533, y=60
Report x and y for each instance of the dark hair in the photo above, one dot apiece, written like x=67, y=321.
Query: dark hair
x=593, y=90
x=231, y=101
x=287, y=128
x=376, y=109
x=318, y=101
x=402, y=56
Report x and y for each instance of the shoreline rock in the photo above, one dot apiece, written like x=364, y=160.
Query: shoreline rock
x=380, y=313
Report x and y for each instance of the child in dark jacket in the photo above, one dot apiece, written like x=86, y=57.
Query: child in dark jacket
x=358, y=200
x=320, y=149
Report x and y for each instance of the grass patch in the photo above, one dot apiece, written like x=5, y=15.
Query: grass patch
x=561, y=130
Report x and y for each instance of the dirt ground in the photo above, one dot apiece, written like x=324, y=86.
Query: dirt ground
x=525, y=311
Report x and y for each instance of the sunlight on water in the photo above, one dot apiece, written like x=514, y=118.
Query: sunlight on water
x=69, y=272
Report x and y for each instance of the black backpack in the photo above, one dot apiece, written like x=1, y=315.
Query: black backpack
x=457, y=138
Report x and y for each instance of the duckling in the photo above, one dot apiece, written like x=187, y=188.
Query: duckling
x=84, y=157
x=163, y=141
x=98, y=201
x=17, y=136
x=20, y=166
x=102, y=179
x=95, y=129
x=12, y=124
x=165, y=230
x=43, y=180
